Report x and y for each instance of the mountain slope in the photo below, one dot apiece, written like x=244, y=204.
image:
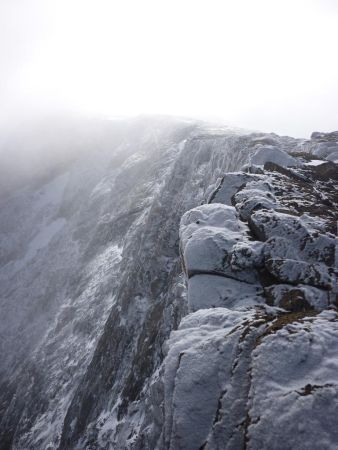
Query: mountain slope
x=92, y=284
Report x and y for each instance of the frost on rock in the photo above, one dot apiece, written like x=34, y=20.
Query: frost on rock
x=229, y=186
x=198, y=372
x=263, y=375
x=288, y=235
x=250, y=200
x=293, y=401
x=208, y=234
x=297, y=298
x=293, y=272
x=210, y=291
x=247, y=255
x=272, y=154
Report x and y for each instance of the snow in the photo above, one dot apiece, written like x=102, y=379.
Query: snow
x=315, y=162
x=197, y=371
x=272, y=154
x=217, y=216
x=229, y=185
x=293, y=272
x=211, y=291
x=298, y=298
x=250, y=200
x=287, y=234
x=208, y=234
x=294, y=387
x=41, y=240
x=269, y=382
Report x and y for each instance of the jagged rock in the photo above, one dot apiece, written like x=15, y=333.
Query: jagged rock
x=230, y=184
x=295, y=248
x=247, y=255
x=330, y=137
x=310, y=245
x=294, y=272
x=83, y=320
x=208, y=234
x=213, y=215
x=297, y=298
x=251, y=200
x=250, y=168
x=257, y=194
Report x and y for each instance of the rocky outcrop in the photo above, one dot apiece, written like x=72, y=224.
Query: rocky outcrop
x=253, y=366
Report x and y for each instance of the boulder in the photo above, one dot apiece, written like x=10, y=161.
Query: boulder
x=273, y=154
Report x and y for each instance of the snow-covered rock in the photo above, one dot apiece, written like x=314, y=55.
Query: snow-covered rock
x=208, y=234
x=199, y=375
x=269, y=153
x=297, y=298
x=333, y=156
x=294, y=272
x=265, y=382
x=92, y=287
x=211, y=291
x=293, y=401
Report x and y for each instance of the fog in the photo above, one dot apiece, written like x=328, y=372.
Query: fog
x=264, y=65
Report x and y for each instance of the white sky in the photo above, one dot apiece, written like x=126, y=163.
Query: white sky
x=264, y=64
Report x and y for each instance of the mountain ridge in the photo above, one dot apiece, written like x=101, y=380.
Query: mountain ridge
x=99, y=296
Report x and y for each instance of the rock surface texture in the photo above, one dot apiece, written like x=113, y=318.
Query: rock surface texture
x=254, y=365
x=154, y=296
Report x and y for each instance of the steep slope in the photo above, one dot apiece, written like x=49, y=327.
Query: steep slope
x=92, y=286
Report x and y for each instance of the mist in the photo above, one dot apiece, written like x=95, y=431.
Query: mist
x=168, y=249
x=262, y=65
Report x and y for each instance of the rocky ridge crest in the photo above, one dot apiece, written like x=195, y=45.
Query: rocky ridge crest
x=254, y=364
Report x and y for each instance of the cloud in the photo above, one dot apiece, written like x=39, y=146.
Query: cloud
x=240, y=60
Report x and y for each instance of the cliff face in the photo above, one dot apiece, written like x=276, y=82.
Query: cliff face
x=92, y=288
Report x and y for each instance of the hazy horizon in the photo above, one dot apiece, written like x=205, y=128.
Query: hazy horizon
x=267, y=66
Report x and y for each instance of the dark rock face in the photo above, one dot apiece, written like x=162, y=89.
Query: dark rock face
x=107, y=346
